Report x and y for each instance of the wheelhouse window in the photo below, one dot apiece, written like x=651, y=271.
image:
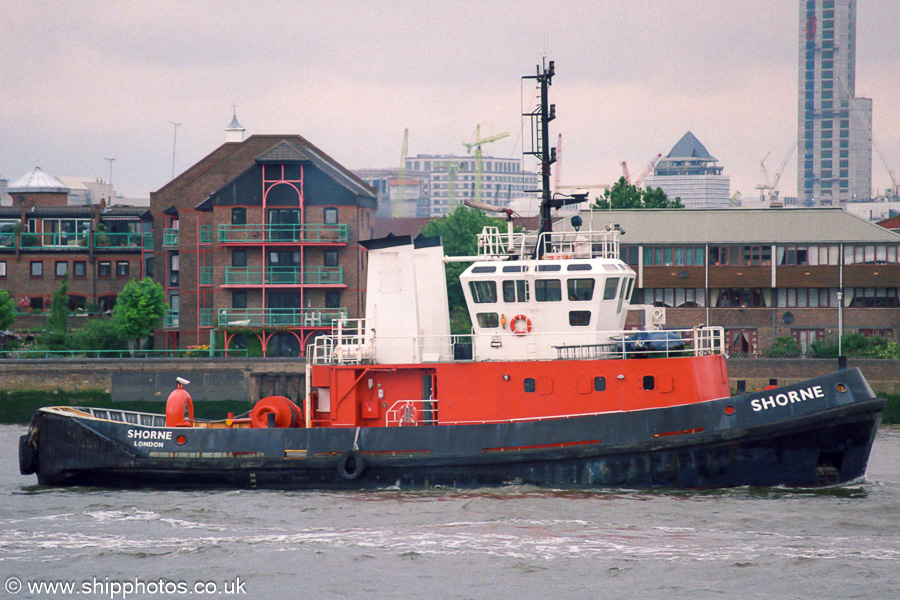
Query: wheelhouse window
x=599, y=384
x=515, y=291
x=483, y=292
x=580, y=290
x=610, y=289
x=530, y=385
x=547, y=290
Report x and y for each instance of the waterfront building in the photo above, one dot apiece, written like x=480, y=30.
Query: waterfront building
x=258, y=241
x=834, y=138
x=763, y=274
x=44, y=241
x=691, y=173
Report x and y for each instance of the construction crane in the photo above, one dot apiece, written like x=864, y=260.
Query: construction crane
x=477, y=143
x=768, y=191
x=643, y=172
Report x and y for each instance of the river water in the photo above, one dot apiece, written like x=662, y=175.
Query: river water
x=511, y=542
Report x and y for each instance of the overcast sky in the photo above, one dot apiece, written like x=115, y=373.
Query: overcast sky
x=84, y=81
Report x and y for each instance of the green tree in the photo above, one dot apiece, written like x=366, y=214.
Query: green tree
x=459, y=231
x=623, y=195
x=99, y=333
x=56, y=335
x=7, y=310
x=140, y=308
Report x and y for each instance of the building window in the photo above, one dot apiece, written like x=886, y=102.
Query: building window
x=332, y=299
x=239, y=258
x=740, y=298
x=239, y=216
x=2, y=268
x=122, y=268
x=104, y=269
x=331, y=216
x=62, y=269
x=77, y=303
x=79, y=269
x=807, y=337
x=331, y=258
x=36, y=303
x=107, y=303
x=239, y=299
x=741, y=342
x=37, y=268
x=887, y=334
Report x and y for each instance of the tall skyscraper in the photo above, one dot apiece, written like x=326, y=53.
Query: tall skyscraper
x=834, y=133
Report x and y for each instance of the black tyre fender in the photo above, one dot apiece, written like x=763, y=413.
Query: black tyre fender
x=351, y=465
x=27, y=456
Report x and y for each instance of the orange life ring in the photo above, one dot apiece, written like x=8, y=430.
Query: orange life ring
x=179, y=408
x=287, y=414
x=514, y=322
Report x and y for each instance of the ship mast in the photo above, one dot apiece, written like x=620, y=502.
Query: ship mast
x=539, y=121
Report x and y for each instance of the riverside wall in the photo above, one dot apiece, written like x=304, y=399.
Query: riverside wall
x=251, y=379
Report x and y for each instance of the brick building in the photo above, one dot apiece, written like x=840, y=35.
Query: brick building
x=763, y=274
x=43, y=242
x=259, y=239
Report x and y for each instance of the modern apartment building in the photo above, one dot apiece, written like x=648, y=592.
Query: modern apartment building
x=691, y=173
x=259, y=239
x=433, y=185
x=834, y=138
x=44, y=241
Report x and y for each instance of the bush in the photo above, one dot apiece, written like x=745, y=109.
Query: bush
x=101, y=333
x=784, y=347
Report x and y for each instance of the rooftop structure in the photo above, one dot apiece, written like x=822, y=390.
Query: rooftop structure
x=691, y=173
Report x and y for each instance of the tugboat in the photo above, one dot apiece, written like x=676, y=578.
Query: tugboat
x=548, y=389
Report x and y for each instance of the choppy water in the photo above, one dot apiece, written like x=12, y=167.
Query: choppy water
x=512, y=542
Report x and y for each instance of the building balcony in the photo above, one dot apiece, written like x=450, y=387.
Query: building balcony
x=206, y=275
x=170, y=236
x=80, y=241
x=207, y=317
x=280, y=317
x=206, y=234
x=170, y=320
x=284, y=234
x=284, y=276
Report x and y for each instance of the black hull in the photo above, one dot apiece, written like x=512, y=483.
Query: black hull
x=818, y=442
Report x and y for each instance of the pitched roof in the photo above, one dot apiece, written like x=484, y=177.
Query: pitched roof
x=282, y=152
x=37, y=181
x=690, y=147
x=737, y=226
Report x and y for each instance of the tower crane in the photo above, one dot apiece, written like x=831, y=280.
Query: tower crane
x=768, y=191
x=401, y=178
x=643, y=173
x=479, y=164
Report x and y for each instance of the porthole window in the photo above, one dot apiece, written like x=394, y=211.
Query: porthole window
x=579, y=318
x=529, y=384
x=487, y=320
x=599, y=384
x=649, y=382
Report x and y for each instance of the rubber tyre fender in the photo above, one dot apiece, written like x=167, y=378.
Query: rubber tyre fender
x=27, y=456
x=351, y=465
